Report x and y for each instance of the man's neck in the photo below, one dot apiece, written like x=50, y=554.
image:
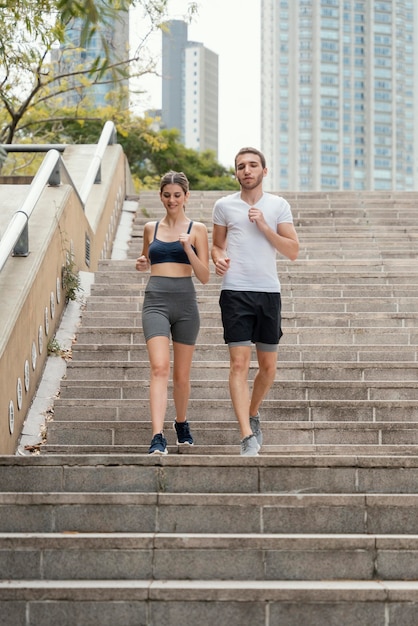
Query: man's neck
x=251, y=196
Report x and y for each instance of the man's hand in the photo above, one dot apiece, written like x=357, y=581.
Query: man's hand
x=255, y=215
x=222, y=266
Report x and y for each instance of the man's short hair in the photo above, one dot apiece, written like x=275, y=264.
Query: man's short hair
x=252, y=151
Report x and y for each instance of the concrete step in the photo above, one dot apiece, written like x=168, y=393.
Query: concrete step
x=204, y=602
x=221, y=433
x=299, y=304
x=346, y=470
x=211, y=318
x=363, y=263
x=338, y=470
x=338, y=450
x=296, y=288
x=66, y=409
x=330, y=250
x=219, y=370
x=210, y=352
x=354, y=336
x=305, y=274
x=222, y=557
x=281, y=389
x=330, y=270
x=301, y=513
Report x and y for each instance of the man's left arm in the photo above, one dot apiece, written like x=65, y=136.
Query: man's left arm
x=285, y=239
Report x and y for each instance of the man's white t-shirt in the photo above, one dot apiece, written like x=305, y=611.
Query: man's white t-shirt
x=253, y=258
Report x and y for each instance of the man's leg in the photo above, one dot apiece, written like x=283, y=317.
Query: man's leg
x=240, y=357
x=267, y=365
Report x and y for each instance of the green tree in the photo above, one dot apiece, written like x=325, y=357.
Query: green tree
x=150, y=153
x=31, y=33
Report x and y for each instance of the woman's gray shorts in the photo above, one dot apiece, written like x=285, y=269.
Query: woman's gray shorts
x=170, y=306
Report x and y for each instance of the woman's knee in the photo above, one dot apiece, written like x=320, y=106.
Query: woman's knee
x=160, y=370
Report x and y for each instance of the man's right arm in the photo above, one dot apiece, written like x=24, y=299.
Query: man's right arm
x=218, y=253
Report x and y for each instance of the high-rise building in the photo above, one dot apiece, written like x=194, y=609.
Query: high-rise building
x=189, y=88
x=72, y=60
x=339, y=94
x=174, y=42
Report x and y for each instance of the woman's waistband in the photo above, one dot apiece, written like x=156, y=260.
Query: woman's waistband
x=169, y=284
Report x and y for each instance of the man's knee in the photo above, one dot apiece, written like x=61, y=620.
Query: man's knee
x=240, y=360
x=267, y=364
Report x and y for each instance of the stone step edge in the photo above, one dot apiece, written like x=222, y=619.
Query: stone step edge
x=295, y=499
x=133, y=540
x=216, y=382
x=270, y=425
x=299, y=457
x=402, y=451
x=128, y=402
x=214, y=590
x=228, y=450
x=224, y=364
x=96, y=346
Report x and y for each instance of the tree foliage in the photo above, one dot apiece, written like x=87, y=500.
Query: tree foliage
x=150, y=153
x=33, y=31
x=34, y=84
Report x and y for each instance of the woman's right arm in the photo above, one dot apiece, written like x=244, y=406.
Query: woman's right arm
x=142, y=262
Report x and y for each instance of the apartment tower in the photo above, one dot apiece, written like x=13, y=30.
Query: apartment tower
x=189, y=88
x=73, y=60
x=339, y=95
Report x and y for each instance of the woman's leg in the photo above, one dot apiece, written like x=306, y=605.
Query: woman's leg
x=159, y=357
x=183, y=355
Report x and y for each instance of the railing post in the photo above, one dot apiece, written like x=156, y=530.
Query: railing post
x=21, y=247
x=55, y=178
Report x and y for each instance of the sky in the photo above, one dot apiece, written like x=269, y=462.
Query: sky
x=231, y=29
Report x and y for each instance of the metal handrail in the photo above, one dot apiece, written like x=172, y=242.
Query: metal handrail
x=50, y=173
x=108, y=136
x=32, y=147
x=20, y=219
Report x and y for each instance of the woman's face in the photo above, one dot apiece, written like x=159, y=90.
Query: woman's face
x=173, y=197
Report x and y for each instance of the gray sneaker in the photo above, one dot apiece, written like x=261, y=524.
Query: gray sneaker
x=249, y=446
x=255, y=427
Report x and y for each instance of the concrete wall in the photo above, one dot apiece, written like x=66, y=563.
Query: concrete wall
x=31, y=296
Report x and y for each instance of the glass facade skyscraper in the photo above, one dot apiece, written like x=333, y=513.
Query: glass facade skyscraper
x=189, y=88
x=73, y=60
x=339, y=94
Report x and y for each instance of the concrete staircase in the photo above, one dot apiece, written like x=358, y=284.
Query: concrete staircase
x=321, y=529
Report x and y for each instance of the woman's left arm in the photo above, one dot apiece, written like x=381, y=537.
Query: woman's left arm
x=199, y=260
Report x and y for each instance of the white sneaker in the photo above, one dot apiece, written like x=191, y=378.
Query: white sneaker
x=249, y=446
x=255, y=427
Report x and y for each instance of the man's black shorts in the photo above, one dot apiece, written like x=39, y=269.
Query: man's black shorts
x=251, y=316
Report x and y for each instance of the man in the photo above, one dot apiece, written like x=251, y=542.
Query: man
x=249, y=228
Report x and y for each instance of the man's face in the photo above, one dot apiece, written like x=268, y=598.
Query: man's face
x=249, y=171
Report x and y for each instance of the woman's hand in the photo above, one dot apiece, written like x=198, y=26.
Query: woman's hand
x=185, y=240
x=142, y=263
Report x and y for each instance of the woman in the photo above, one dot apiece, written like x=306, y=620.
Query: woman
x=174, y=248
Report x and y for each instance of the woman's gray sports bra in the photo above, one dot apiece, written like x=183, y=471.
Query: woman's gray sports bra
x=167, y=251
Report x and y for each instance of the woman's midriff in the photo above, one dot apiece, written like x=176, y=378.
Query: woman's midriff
x=171, y=270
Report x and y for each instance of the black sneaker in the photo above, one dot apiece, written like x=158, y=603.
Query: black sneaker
x=183, y=433
x=158, y=445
